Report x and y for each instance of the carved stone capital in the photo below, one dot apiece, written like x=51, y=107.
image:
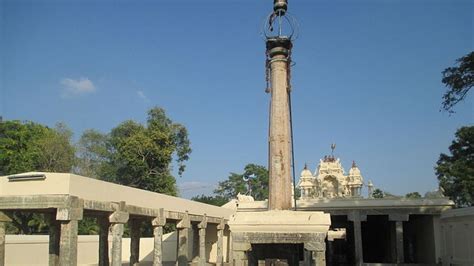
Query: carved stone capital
x=159, y=220
x=184, y=222
x=68, y=214
x=203, y=223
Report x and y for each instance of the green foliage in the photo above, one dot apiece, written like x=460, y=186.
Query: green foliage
x=57, y=152
x=377, y=193
x=456, y=171
x=459, y=80
x=92, y=154
x=235, y=184
x=137, y=155
x=88, y=226
x=413, y=195
x=212, y=200
x=28, y=146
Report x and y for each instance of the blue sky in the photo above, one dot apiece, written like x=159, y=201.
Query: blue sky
x=367, y=76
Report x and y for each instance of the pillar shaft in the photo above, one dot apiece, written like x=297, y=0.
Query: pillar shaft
x=103, y=241
x=359, y=256
x=183, y=234
x=2, y=243
x=158, y=249
x=220, y=247
x=202, y=246
x=357, y=218
x=280, y=138
x=117, y=233
x=54, y=239
x=399, y=241
x=68, y=243
x=134, y=241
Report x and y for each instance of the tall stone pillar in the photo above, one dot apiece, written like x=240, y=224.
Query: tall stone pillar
x=183, y=241
x=103, y=241
x=134, y=225
x=3, y=220
x=54, y=238
x=158, y=224
x=202, y=241
x=278, y=50
x=117, y=220
x=68, y=218
x=399, y=219
x=220, y=243
x=357, y=218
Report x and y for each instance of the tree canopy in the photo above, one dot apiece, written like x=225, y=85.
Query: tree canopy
x=455, y=171
x=413, y=195
x=27, y=146
x=212, y=200
x=137, y=155
x=459, y=80
x=132, y=154
x=377, y=194
x=235, y=183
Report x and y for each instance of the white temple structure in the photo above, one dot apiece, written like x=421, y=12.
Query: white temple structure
x=330, y=180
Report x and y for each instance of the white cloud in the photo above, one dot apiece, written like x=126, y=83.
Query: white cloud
x=142, y=96
x=72, y=87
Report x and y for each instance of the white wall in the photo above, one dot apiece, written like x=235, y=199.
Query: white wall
x=457, y=234
x=33, y=249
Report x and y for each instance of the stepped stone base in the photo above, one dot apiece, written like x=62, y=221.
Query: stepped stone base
x=280, y=231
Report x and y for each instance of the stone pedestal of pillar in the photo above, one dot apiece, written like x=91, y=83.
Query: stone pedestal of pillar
x=278, y=227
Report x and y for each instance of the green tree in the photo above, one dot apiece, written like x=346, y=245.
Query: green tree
x=137, y=155
x=28, y=146
x=377, y=194
x=413, y=195
x=56, y=150
x=459, y=80
x=92, y=154
x=235, y=184
x=212, y=200
x=456, y=171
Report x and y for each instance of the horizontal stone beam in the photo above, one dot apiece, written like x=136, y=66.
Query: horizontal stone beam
x=400, y=217
x=33, y=202
x=91, y=207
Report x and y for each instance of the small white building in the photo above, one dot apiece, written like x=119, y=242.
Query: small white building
x=330, y=180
